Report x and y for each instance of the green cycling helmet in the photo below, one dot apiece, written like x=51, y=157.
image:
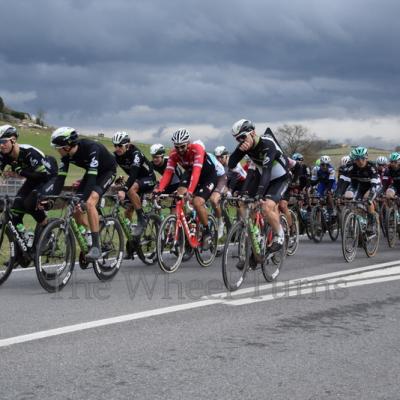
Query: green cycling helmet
x=358, y=153
x=318, y=162
x=395, y=156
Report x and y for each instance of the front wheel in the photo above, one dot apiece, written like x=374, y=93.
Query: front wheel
x=317, y=224
x=206, y=257
x=391, y=226
x=112, y=249
x=7, y=254
x=55, y=255
x=371, y=241
x=293, y=235
x=235, y=257
x=351, y=231
x=170, y=244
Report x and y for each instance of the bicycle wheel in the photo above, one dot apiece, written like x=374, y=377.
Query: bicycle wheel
x=112, y=249
x=147, y=247
x=188, y=253
x=343, y=214
x=235, y=258
x=293, y=237
x=227, y=227
x=273, y=262
x=7, y=254
x=170, y=244
x=206, y=257
x=351, y=230
x=371, y=242
x=382, y=218
x=391, y=226
x=317, y=224
x=333, y=227
x=55, y=255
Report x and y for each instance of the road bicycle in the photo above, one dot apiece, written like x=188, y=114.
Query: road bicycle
x=248, y=244
x=176, y=230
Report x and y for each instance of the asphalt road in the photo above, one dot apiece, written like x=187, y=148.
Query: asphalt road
x=325, y=330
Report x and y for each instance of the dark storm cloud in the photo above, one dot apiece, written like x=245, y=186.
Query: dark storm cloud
x=162, y=63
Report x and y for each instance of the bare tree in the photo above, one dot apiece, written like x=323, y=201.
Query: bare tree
x=298, y=139
x=1, y=104
x=40, y=117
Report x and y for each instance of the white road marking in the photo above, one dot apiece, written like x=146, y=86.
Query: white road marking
x=347, y=278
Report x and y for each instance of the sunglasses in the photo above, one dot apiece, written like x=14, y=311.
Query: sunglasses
x=360, y=159
x=4, y=141
x=242, y=137
x=180, y=146
x=119, y=145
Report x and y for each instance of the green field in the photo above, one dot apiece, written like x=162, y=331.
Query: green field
x=40, y=138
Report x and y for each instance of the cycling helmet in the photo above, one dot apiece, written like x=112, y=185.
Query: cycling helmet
x=325, y=160
x=344, y=160
x=242, y=127
x=220, y=151
x=318, y=162
x=395, y=156
x=200, y=143
x=8, y=131
x=358, y=153
x=120, y=138
x=381, y=160
x=297, y=157
x=157, y=150
x=64, y=136
x=181, y=136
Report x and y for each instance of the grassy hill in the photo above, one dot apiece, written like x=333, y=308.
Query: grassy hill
x=40, y=138
x=338, y=152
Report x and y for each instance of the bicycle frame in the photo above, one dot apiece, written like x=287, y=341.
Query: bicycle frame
x=182, y=222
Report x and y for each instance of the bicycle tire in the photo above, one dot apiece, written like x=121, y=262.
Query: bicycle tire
x=351, y=231
x=391, y=226
x=48, y=244
x=293, y=240
x=371, y=244
x=7, y=260
x=146, y=251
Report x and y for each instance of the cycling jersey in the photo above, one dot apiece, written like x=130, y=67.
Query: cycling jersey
x=268, y=159
x=136, y=165
x=236, y=177
x=301, y=176
x=31, y=164
x=195, y=160
x=361, y=179
x=219, y=168
x=95, y=159
x=391, y=177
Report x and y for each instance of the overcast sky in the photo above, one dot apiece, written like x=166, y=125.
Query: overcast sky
x=151, y=66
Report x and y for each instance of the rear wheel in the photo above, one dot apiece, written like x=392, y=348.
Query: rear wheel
x=235, y=258
x=317, y=224
x=7, y=254
x=112, y=249
x=293, y=235
x=55, y=255
x=391, y=226
x=333, y=226
x=371, y=242
x=170, y=244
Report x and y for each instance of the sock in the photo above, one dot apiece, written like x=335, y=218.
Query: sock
x=95, y=239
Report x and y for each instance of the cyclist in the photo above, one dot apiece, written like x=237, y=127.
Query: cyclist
x=199, y=179
x=269, y=179
x=301, y=173
x=30, y=163
x=324, y=177
x=365, y=182
x=343, y=180
x=381, y=164
x=100, y=170
x=159, y=163
x=391, y=176
x=141, y=177
x=236, y=176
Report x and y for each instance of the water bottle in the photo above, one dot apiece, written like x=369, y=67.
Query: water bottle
x=254, y=239
x=88, y=236
x=29, y=238
x=21, y=229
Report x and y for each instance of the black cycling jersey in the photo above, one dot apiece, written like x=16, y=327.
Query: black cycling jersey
x=391, y=177
x=136, y=165
x=301, y=175
x=31, y=164
x=91, y=156
x=269, y=159
x=161, y=168
x=361, y=178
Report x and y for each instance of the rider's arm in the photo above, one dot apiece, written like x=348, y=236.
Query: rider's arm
x=314, y=176
x=199, y=158
x=54, y=186
x=169, y=171
x=375, y=184
x=235, y=158
x=36, y=170
x=332, y=179
x=265, y=179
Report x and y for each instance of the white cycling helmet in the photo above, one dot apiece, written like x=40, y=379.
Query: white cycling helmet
x=120, y=138
x=381, y=160
x=64, y=136
x=181, y=136
x=220, y=151
x=344, y=160
x=157, y=149
x=325, y=160
x=242, y=127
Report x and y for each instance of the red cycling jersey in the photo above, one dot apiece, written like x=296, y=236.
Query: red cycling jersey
x=193, y=159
